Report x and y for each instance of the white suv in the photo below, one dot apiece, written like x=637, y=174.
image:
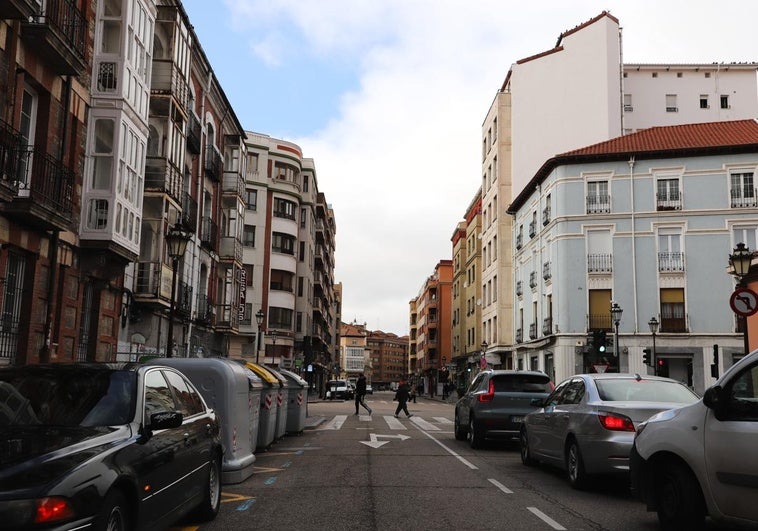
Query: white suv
x=702, y=459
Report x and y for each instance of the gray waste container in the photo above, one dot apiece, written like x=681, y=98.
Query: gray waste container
x=234, y=392
x=268, y=403
x=282, y=400
x=298, y=401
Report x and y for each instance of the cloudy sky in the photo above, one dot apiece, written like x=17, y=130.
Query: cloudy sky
x=388, y=98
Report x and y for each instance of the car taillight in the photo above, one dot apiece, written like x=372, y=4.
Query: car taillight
x=615, y=422
x=489, y=395
x=52, y=509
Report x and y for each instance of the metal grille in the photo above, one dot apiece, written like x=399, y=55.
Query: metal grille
x=86, y=322
x=11, y=315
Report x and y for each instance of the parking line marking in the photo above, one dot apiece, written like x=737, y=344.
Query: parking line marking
x=393, y=423
x=270, y=481
x=246, y=505
x=451, y=452
x=500, y=486
x=423, y=424
x=545, y=518
x=227, y=497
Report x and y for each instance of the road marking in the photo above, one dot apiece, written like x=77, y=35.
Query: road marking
x=451, y=452
x=500, y=486
x=364, y=418
x=226, y=497
x=376, y=443
x=246, y=505
x=270, y=481
x=335, y=424
x=393, y=423
x=423, y=424
x=265, y=469
x=545, y=518
x=443, y=420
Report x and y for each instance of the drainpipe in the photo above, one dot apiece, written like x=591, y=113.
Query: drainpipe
x=634, y=246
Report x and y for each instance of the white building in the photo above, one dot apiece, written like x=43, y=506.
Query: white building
x=646, y=220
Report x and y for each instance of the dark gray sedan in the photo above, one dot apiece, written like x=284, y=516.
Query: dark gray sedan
x=587, y=424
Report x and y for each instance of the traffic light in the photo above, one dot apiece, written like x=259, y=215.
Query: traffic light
x=599, y=341
x=715, y=364
x=646, y=356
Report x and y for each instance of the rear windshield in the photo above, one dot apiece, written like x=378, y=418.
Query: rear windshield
x=633, y=390
x=522, y=383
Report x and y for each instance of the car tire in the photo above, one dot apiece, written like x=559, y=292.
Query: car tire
x=475, y=434
x=209, y=506
x=114, y=513
x=460, y=430
x=678, y=498
x=575, y=465
x=526, y=455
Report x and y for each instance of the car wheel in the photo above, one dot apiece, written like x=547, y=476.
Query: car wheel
x=679, y=500
x=114, y=514
x=526, y=455
x=575, y=465
x=460, y=431
x=208, y=508
x=475, y=435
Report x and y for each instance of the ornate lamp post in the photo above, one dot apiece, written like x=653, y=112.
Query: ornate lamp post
x=258, y=319
x=740, y=260
x=176, y=241
x=653, y=324
x=616, y=312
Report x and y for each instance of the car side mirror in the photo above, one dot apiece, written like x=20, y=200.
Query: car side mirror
x=537, y=402
x=166, y=420
x=713, y=398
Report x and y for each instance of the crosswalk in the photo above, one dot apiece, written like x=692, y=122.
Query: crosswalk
x=389, y=421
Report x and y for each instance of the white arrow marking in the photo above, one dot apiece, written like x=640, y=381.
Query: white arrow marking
x=376, y=443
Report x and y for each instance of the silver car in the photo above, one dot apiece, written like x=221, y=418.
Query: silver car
x=587, y=424
x=496, y=402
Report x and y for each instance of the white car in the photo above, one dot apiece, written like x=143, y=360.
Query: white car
x=702, y=459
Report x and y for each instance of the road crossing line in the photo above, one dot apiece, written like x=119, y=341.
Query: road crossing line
x=335, y=424
x=393, y=423
x=443, y=420
x=423, y=424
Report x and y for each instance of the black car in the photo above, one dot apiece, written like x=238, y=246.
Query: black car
x=105, y=446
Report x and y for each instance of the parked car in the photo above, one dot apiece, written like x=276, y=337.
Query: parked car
x=701, y=459
x=586, y=426
x=496, y=402
x=338, y=389
x=369, y=389
x=105, y=446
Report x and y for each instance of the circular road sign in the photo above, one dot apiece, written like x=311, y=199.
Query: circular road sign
x=744, y=302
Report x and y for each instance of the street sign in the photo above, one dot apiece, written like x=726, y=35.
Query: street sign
x=744, y=301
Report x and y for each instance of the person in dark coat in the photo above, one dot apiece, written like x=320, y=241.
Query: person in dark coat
x=360, y=393
x=402, y=395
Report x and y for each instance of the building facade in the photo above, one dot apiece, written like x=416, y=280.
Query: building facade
x=388, y=354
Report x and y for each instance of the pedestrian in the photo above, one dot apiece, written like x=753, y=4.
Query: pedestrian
x=360, y=393
x=402, y=395
x=413, y=393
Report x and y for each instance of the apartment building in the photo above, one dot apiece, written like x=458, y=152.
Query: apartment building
x=467, y=295
x=388, y=354
x=354, y=353
x=645, y=221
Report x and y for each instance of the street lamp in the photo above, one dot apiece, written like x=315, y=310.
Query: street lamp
x=176, y=240
x=258, y=319
x=741, y=259
x=616, y=312
x=653, y=324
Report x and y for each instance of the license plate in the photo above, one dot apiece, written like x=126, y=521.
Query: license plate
x=517, y=420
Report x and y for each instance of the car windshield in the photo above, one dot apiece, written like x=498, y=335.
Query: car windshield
x=522, y=383
x=633, y=390
x=65, y=397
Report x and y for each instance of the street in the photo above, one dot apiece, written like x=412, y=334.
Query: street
x=377, y=472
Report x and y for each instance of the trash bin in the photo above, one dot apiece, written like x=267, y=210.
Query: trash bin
x=282, y=400
x=298, y=401
x=268, y=403
x=234, y=392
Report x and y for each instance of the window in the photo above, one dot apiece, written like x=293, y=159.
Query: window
x=284, y=208
x=248, y=274
x=280, y=318
x=97, y=218
x=251, y=199
x=671, y=103
x=724, y=101
x=742, y=190
x=305, y=183
x=598, y=199
x=704, y=101
x=248, y=236
x=13, y=299
x=102, y=155
x=281, y=280
x=189, y=401
x=282, y=243
x=628, y=103
x=670, y=256
x=600, y=309
x=303, y=217
x=667, y=196
x=746, y=235
x=672, y=310
x=157, y=394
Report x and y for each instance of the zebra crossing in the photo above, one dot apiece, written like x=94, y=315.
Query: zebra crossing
x=390, y=422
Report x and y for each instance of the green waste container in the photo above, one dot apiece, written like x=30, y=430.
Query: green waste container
x=298, y=402
x=234, y=392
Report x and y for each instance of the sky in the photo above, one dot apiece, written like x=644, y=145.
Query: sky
x=388, y=98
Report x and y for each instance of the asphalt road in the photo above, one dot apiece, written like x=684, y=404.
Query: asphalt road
x=380, y=473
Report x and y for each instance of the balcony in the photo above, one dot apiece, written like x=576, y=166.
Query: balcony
x=189, y=212
x=546, y=273
x=230, y=248
x=600, y=263
x=43, y=188
x=233, y=184
x=532, y=228
x=547, y=326
x=163, y=177
x=519, y=241
x=743, y=198
x=669, y=201
x=670, y=262
x=152, y=282
x=206, y=310
x=533, y=279
x=519, y=335
x=213, y=163
x=208, y=234
x=168, y=80
x=18, y=9
x=533, y=331
x=58, y=34
x=545, y=216
x=519, y=288
x=598, y=204
x=600, y=321
x=184, y=300
x=227, y=317
x=194, y=133
x=673, y=318
x=10, y=140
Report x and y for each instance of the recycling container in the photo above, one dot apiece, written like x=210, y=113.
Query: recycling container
x=298, y=402
x=282, y=401
x=269, y=407
x=234, y=392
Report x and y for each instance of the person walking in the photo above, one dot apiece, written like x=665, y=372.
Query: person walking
x=360, y=393
x=402, y=395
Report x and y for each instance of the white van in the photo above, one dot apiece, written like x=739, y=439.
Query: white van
x=338, y=389
x=702, y=459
